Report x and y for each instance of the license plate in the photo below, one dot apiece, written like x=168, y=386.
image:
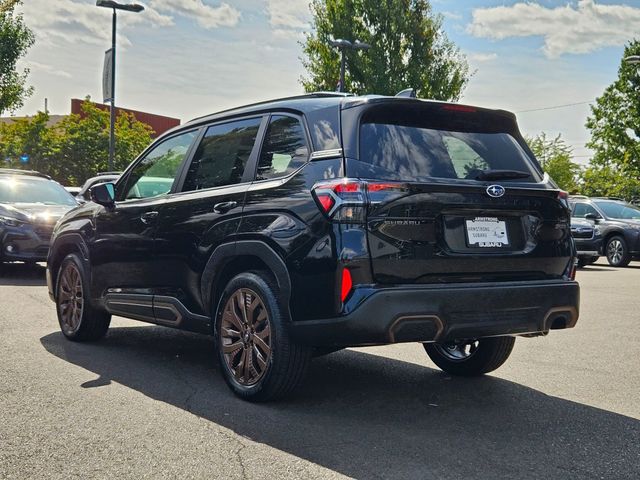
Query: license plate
x=487, y=232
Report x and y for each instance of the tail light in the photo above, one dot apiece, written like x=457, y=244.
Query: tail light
x=346, y=200
x=564, y=198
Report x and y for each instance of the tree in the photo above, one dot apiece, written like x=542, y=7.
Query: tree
x=15, y=40
x=615, y=133
x=555, y=157
x=75, y=148
x=409, y=49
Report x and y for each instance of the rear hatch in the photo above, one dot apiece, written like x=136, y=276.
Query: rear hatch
x=454, y=195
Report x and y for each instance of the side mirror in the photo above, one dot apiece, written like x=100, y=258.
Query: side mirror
x=104, y=194
x=592, y=216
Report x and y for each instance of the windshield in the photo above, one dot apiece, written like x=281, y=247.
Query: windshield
x=621, y=211
x=412, y=146
x=30, y=190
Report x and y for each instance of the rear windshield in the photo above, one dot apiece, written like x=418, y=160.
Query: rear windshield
x=415, y=145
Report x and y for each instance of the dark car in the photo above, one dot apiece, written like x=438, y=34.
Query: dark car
x=588, y=240
x=30, y=205
x=618, y=222
x=326, y=221
x=83, y=193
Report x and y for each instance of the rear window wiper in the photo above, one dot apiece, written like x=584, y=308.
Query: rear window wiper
x=490, y=174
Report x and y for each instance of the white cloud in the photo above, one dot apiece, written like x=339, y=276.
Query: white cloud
x=207, y=16
x=288, y=17
x=452, y=15
x=482, y=57
x=76, y=21
x=574, y=28
x=46, y=68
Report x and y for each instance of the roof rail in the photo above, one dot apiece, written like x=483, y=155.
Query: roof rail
x=578, y=196
x=100, y=174
x=17, y=171
x=264, y=102
x=610, y=198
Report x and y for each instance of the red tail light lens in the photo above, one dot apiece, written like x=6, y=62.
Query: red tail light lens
x=345, y=200
x=346, y=284
x=564, y=198
x=326, y=202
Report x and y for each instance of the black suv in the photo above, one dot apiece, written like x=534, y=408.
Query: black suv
x=30, y=205
x=617, y=221
x=324, y=221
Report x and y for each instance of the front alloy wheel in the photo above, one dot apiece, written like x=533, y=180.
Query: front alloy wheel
x=70, y=298
x=79, y=320
x=617, y=252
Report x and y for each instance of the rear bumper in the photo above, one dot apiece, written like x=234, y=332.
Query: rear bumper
x=447, y=312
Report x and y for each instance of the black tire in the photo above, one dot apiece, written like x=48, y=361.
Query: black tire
x=286, y=361
x=89, y=324
x=592, y=260
x=617, y=251
x=583, y=262
x=488, y=355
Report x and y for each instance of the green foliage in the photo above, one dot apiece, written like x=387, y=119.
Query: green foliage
x=409, y=49
x=75, y=148
x=555, y=157
x=615, y=131
x=15, y=40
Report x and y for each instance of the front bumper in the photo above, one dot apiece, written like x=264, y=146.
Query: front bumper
x=25, y=244
x=442, y=313
x=589, y=248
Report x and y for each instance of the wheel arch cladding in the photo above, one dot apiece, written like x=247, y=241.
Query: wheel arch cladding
x=71, y=243
x=230, y=259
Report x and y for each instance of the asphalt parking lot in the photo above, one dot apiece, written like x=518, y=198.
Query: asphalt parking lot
x=148, y=402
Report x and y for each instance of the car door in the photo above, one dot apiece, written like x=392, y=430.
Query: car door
x=122, y=251
x=206, y=209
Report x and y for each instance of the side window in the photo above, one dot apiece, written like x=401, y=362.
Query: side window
x=222, y=155
x=579, y=210
x=155, y=174
x=284, y=149
x=465, y=160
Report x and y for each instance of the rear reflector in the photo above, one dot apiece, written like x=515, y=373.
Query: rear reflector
x=346, y=285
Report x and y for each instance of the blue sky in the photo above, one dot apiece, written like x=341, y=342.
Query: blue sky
x=186, y=58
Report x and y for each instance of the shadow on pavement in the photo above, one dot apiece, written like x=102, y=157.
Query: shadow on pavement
x=367, y=416
x=22, y=274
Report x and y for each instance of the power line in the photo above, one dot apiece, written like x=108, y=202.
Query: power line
x=553, y=107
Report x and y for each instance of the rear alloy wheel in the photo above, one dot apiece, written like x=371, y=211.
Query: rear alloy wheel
x=79, y=321
x=259, y=360
x=471, y=357
x=617, y=252
x=245, y=337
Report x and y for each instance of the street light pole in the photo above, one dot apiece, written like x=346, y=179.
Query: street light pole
x=131, y=7
x=343, y=45
x=112, y=108
x=633, y=59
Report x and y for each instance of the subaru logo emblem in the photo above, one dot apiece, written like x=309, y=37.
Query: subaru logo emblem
x=495, y=191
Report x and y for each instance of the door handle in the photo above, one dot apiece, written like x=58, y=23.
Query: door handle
x=224, y=207
x=148, y=217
